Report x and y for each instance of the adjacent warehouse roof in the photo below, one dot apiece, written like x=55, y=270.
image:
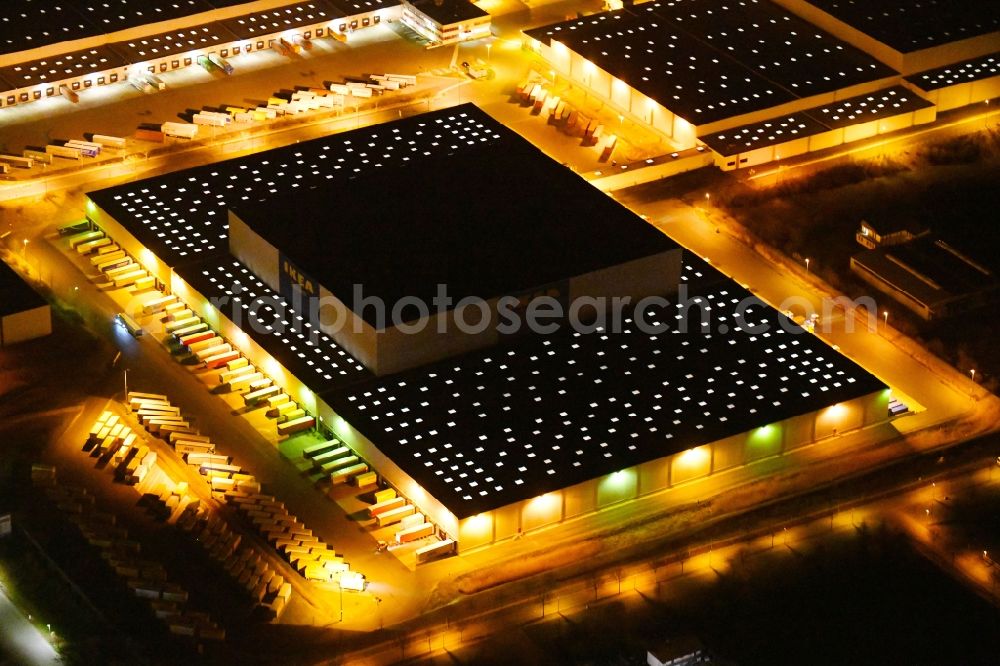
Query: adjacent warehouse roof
x=851, y=111
x=446, y=12
x=908, y=26
x=289, y=17
x=16, y=295
x=974, y=69
x=707, y=60
x=61, y=67
x=352, y=7
x=425, y=208
x=27, y=24
x=113, y=15
x=513, y=422
x=175, y=41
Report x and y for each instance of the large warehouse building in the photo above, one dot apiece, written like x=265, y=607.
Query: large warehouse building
x=50, y=47
x=489, y=435
x=908, y=36
x=24, y=315
x=757, y=81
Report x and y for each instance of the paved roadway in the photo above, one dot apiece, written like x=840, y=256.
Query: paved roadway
x=21, y=642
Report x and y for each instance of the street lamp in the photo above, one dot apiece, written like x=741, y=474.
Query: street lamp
x=24, y=247
x=973, y=373
x=807, y=264
x=488, y=47
x=885, y=315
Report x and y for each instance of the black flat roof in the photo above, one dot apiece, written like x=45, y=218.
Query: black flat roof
x=16, y=295
x=28, y=24
x=929, y=269
x=489, y=215
x=851, y=111
x=270, y=321
x=113, y=15
x=183, y=216
x=61, y=67
x=967, y=71
x=356, y=7
x=173, y=41
x=447, y=12
x=708, y=60
x=908, y=25
x=288, y=17
x=513, y=422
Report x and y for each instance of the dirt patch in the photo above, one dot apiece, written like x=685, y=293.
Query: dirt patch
x=527, y=565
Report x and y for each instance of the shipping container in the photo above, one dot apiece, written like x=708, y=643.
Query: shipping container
x=204, y=119
x=442, y=548
x=115, y=142
x=385, y=505
x=403, y=79
x=254, y=397
x=112, y=273
x=188, y=330
x=414, y=533
x=85, y=237
x=157, y=304
x=89, y=148
x=182, y=324
x=110, y=264
x=19, y=162
x=101, y=255
x=127, y=279
x=185, y=447
x=63, y=151
x=90, y=246
x=38, y=155
x=144, y=134
x=229, y=375
x=181, y=130
x=345, y=474
x=221, y=63
x=394, y=515
x=155, y=81
x=221, y=359
x=296, y=425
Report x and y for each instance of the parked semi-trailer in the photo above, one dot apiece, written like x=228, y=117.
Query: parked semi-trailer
x=155, y=81
x=181, y=130
x=90, y=246
x=63, y=151
x=88, y=148
x=38, y=155
x=115, y=142
x=116, y=260
x=19, y=162
x=157, y=304
x=148, y=134
x=220, y=62
x=204, y=119
x=85, y=237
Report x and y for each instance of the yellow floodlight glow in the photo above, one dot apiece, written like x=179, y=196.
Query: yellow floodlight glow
x=694, y=457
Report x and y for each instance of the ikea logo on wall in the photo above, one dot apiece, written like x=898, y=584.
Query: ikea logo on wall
x=291, y=275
